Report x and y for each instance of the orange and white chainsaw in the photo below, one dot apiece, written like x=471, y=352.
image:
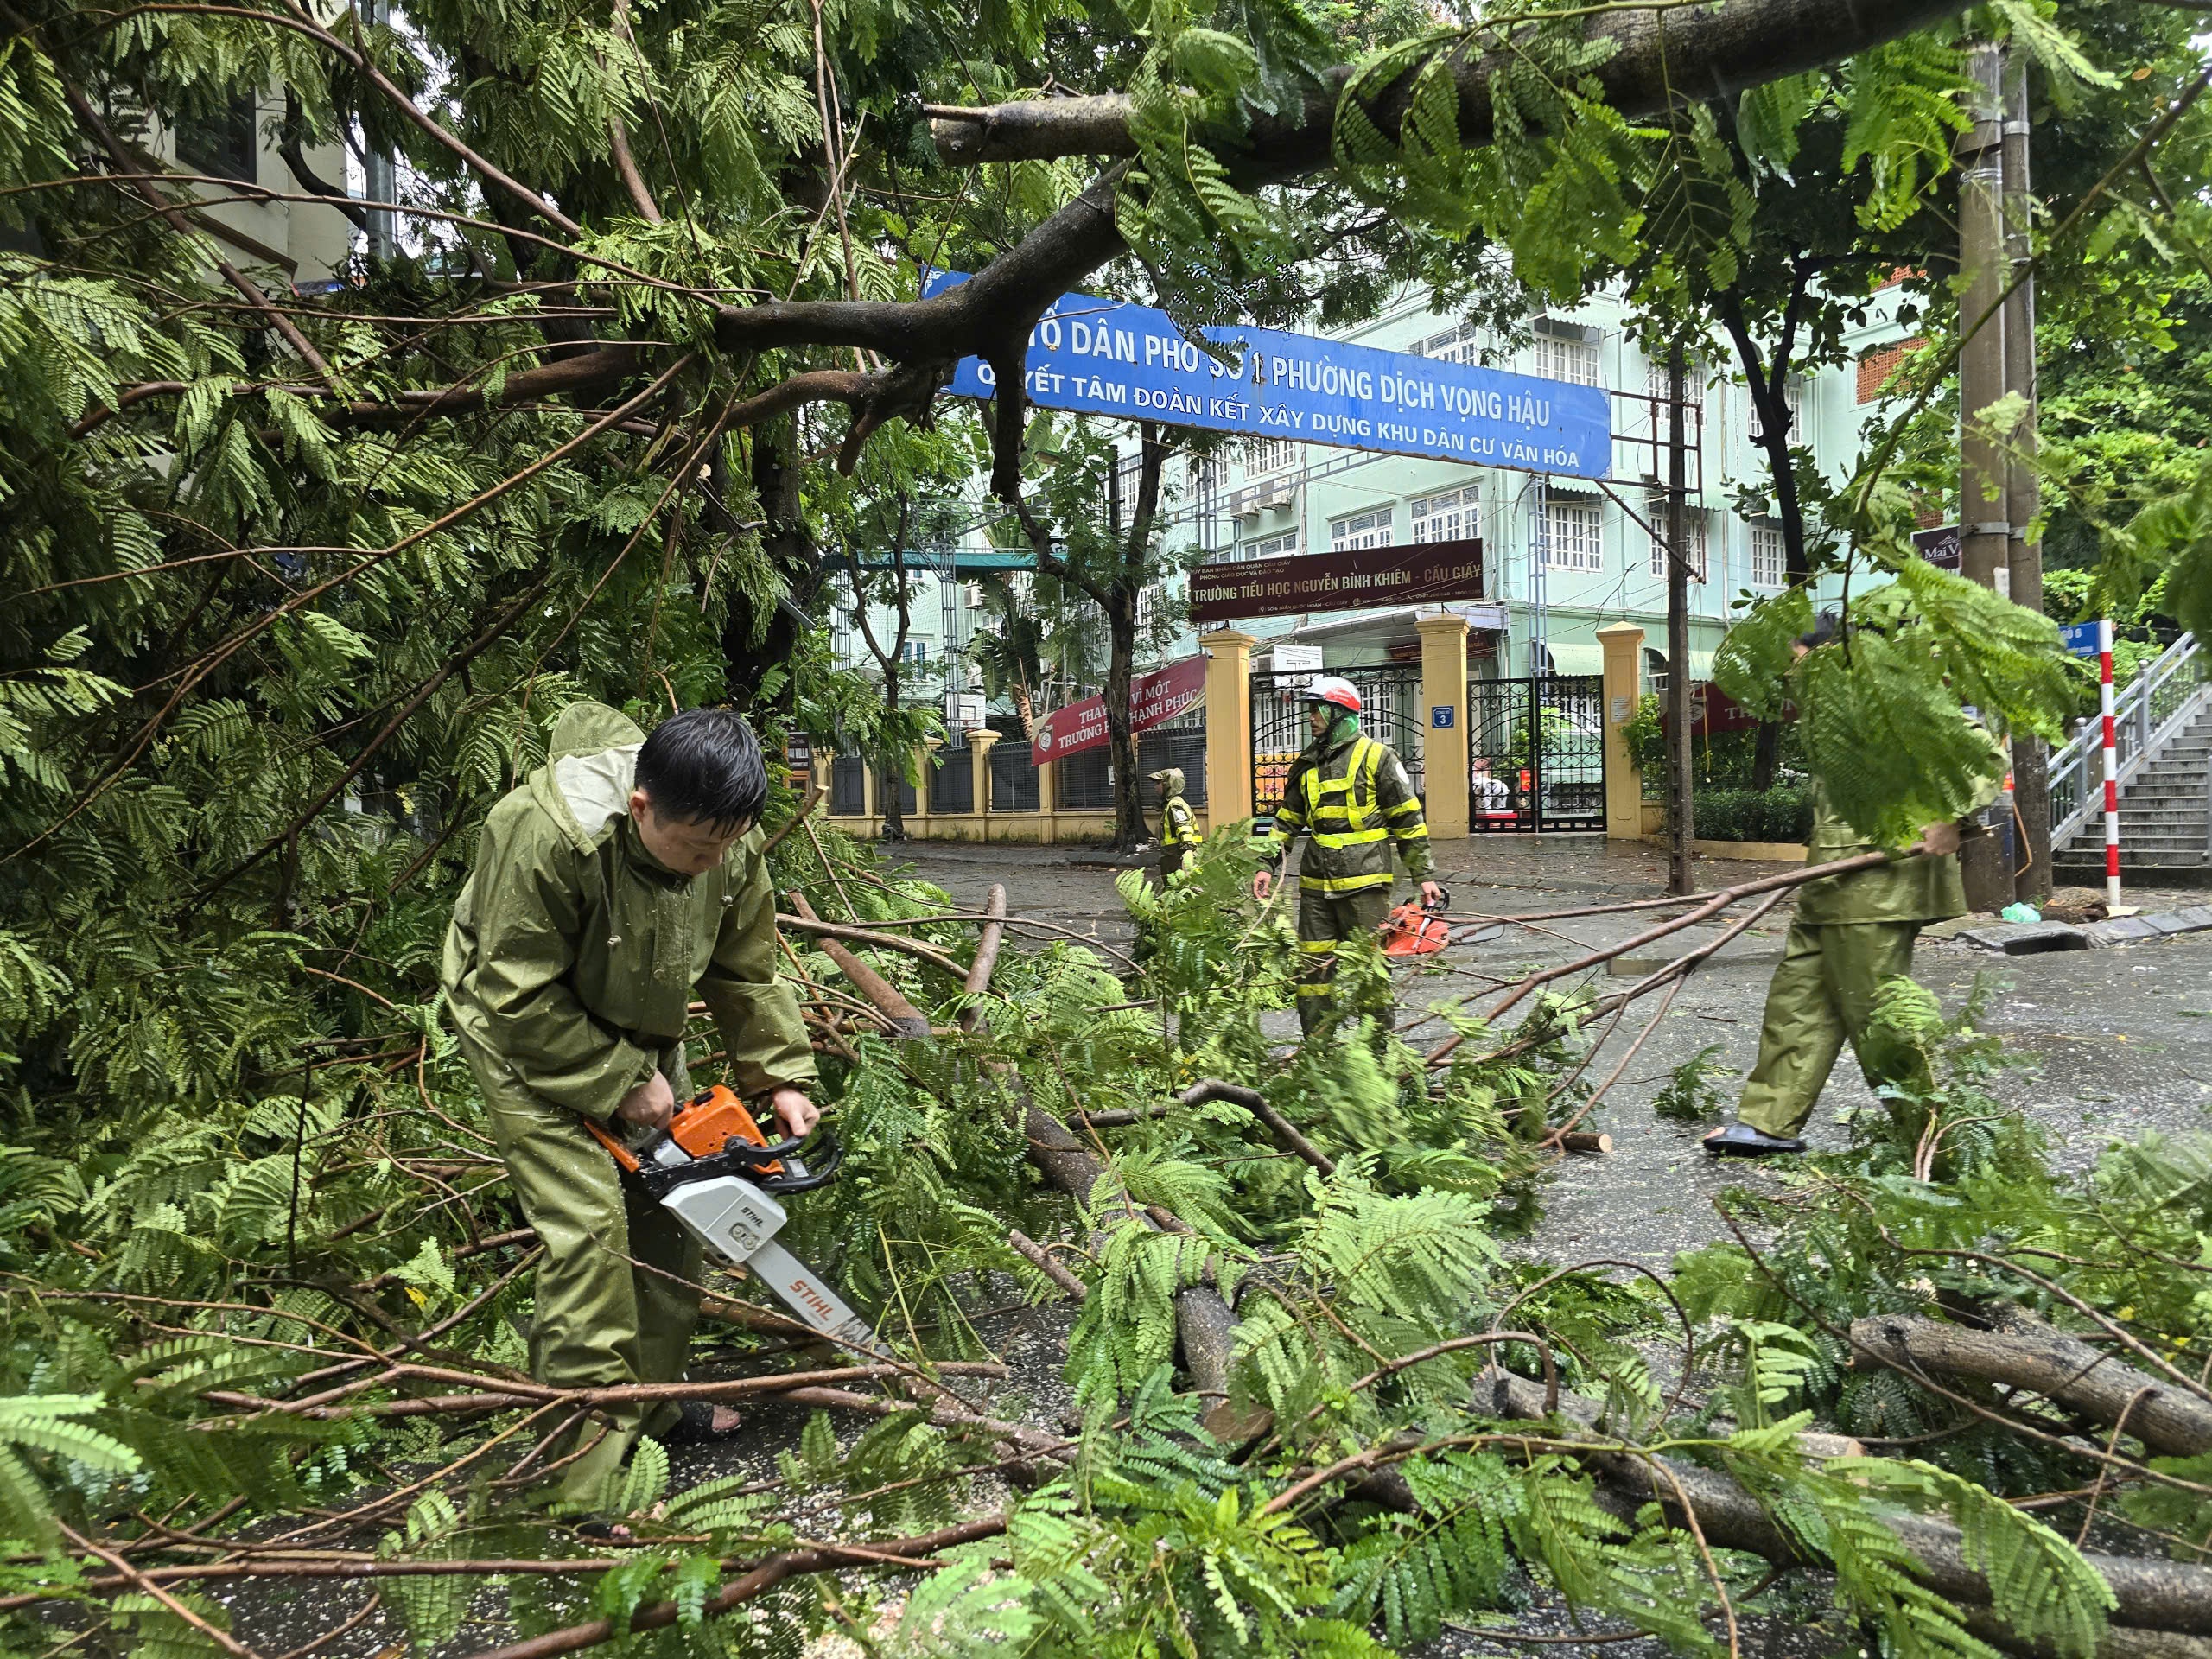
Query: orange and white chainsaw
x=714, y=1170
x=1418, y=930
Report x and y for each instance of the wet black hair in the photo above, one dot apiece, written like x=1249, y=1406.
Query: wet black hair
x=1823, y=632
x=704, y=766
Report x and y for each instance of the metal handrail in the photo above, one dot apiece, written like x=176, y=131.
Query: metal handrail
x=2164, y=698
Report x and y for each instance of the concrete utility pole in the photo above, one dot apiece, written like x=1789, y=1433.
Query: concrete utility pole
x=2023, y=488
x=1985, y=528
x=1682, y=805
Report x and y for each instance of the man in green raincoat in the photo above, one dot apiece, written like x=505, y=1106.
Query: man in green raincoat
x=1352, y=796
x=626, y=875
x=1179, y=825
x=1848, y=935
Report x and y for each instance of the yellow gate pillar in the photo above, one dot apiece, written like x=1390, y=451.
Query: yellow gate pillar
x=1443, y=715
x=1229, y=725
x=1623, y=644
x=979, y=756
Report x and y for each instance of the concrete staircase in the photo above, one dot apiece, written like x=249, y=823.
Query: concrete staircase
x=2162, y=824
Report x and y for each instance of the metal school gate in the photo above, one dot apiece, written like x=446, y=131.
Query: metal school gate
x=1536, y=754
x=1390, y=712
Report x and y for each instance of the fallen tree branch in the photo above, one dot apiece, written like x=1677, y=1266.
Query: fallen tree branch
x=987, y=940
x=2153, y=1595
x=2026, y=1354
x=1285, y=1132
x=1043, y=1260
x=795, y=1563
x=907, y=1021
x=1655, y=54
x=868, y=937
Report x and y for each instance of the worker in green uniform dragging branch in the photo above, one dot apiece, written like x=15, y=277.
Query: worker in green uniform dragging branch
x=1179, y=825
x=627, y=873
x=1849, y=935
x=1352, y=796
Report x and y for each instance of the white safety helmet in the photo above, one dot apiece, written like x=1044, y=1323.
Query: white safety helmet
x=1330, y=689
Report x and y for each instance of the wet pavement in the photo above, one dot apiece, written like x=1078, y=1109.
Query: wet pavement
x=2118, y=1041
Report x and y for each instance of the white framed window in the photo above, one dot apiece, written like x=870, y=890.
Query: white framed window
x=1693, y=537
x=1573, y=536
x=1447, y=516
x=1453, y=345
x=1566, y=357
x=1793, y=399
x=1360, y=530
x=915, y=652
x=1655, y=385
x=1267, y=455
x=1770, y=558
x=1271, y=547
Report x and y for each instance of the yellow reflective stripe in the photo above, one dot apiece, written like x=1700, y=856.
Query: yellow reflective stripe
x=1351, y=837
x=1318, y=947
x=1345, y=883
x=1411, y=804
x=1419, y=832
x=1323, y=989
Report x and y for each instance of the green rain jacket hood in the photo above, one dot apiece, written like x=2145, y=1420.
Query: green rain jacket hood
x=573, y=953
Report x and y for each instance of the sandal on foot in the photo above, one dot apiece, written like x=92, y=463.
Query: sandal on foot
x=1742, y=1141
x=694, y=1425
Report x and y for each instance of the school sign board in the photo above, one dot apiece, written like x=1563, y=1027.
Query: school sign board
x=1104, y=357
x=1426, y=573
x=1154, y=699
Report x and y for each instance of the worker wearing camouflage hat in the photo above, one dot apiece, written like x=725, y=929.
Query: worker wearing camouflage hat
x=1179, y=825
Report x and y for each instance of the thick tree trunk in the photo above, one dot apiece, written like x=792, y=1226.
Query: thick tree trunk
x=753, y=644
x=2153, y=1595
x=891, y=765
x=1129, y=828
x=2026, y=1354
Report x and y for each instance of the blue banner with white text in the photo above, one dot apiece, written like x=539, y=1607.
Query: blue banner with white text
x=1105, y=357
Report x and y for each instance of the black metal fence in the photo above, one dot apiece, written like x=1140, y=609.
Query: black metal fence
x=848, y=794
x=1014, y=771
x=1389, y=712
x=952, y=779
x=1183, y=746
x=1084, y=782
x=1536, y=754
x=885, y=783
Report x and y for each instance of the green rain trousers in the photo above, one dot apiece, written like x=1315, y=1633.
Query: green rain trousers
x=570, y=963
x=1325, y=921
x=1821, y=997
x=601, y=1317
x=1850, y=934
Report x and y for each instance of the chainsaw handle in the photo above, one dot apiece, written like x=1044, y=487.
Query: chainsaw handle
x=1443, y=903
x=833, y=1157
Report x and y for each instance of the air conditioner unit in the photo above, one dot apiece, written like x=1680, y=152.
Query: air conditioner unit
x=1271, y=496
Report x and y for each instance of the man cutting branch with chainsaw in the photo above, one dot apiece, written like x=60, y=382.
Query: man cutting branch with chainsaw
x=626, y=873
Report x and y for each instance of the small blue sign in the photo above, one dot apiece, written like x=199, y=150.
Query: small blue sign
x=1441, y=714
x=2081, y=638
x=1105, y=357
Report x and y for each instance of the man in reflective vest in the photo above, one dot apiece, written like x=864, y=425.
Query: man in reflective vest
x=1352, y=796
x=1179, y=825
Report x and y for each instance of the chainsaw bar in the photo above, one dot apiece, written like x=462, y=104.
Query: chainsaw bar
x=802, y=1290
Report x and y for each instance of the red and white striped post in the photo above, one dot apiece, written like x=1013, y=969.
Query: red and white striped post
x=2112, y=763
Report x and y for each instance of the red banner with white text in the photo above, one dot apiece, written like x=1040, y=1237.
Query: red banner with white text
x=1154, y=699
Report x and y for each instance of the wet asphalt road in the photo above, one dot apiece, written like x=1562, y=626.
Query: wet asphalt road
x=2118, y=1040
